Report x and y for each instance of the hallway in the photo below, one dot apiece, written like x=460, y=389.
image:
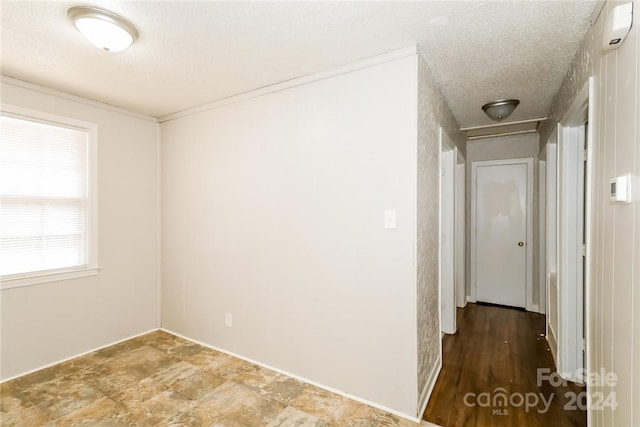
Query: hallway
x=497, y=347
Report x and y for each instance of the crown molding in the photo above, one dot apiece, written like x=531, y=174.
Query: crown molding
x=299, y=81
x=12, y=81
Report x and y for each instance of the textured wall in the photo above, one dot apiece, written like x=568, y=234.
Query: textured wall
x=433, y=112
x=613, y=296
x=577, y=75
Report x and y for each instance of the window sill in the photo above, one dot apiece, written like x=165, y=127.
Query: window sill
x=16, y=281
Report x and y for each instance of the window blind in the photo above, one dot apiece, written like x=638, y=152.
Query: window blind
x=44, y=206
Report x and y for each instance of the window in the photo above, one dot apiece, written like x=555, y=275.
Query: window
x=47, y=198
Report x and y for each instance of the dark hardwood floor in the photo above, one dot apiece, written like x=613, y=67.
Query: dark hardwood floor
x=489, y=374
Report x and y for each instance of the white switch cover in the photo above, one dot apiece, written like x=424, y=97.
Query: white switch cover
x=228, y=320
x=390, y=219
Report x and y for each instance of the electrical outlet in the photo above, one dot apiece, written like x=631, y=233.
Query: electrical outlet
x=228, y=320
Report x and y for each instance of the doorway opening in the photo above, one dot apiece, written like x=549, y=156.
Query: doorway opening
x=451, y=233
x=502, y=232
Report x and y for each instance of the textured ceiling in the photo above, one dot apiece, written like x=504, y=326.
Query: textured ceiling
x=191, y=53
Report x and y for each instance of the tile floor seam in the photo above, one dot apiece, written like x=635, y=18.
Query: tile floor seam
x=29, y=400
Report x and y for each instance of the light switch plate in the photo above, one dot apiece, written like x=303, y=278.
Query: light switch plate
x=390, y=219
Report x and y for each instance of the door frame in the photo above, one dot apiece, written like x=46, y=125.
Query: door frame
x=551, y=243
x=574, y=279
x=542, y=237
x=461, y=232
x=529, y=226
x=447, y=230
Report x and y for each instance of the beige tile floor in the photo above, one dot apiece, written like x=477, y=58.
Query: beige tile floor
x=162, y=380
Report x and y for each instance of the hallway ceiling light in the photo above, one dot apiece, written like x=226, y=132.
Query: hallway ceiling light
x=102, y=28
x=500, y=109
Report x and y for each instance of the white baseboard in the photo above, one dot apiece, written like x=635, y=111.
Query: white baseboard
x=428, y=389
x=298, y=377
x=76, y=356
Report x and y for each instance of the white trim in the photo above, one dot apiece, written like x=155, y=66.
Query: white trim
x=497, y=125
x=529, y=241
x=93, y=193
x=574, y=185
x=491, y=135
x=448, y=322
x=65, y=95
x=472, y=219
x=530, y=236
x=542, y=237
x=91, y=268
x=298, y=377
x=551, y=239
x=461, y=232
x=66, y=359
x=589, y=221
x=38, y=278
x=431, y=383
x=159, y=225
x=354, y=66
x=47, y=118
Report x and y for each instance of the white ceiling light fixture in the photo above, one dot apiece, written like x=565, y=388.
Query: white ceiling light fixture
x=102, y=28
x=500, y=109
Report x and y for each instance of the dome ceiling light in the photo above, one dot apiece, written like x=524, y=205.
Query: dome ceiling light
x=500, y=109
x=102, y=28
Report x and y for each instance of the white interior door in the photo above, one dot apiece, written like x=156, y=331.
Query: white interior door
x=447, y=238
x=501, y=209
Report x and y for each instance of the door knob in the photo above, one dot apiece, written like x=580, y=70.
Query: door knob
x=520, y=243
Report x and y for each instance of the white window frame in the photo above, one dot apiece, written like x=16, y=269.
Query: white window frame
x=91, y=268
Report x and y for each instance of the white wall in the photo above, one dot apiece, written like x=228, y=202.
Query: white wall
x=501, y=148
x=613, y=298
x=273, y=212
x=44, y=324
